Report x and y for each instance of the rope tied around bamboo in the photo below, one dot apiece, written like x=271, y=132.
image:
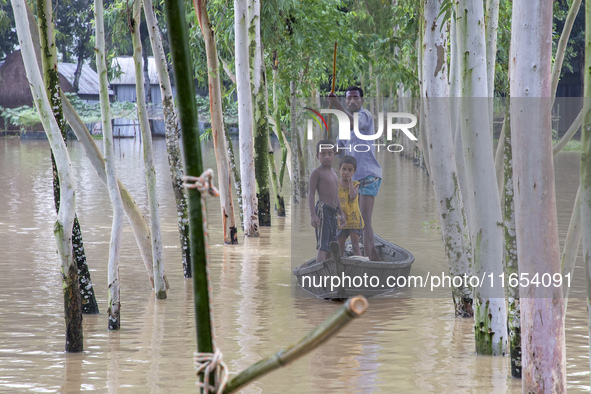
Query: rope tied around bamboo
x=203, y=183
x=208, y=363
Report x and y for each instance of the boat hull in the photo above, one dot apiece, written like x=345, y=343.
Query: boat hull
x=347, y=276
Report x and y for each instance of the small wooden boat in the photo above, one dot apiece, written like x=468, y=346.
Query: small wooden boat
x=368, y=278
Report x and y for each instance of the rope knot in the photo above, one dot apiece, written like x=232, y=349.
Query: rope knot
x=208, y=363
x=203, y=183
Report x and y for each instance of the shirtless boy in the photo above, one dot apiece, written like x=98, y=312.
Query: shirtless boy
x=323, y=214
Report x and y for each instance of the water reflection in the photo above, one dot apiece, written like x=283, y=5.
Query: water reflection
x=409, y=344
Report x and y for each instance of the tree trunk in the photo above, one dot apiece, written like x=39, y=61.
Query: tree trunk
x=114, y=322
x=285, y=156
x=510, y=254
x=158, y=263
x=260, y=122
x=542, y=308
x=586, y=162
x=247, y=166
x=147, y=85
x=490, y=314
x=217, y=125
x=66, y=213
x=571, y=245
x=171, y=134
x=52, y=85
x=441, y=155
x=492, y=27
x=78, y=73
x=295, y=145
x=140, y=228
x=235, y=173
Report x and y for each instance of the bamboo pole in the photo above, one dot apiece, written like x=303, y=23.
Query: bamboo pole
x=353, y=308
x=183, y=72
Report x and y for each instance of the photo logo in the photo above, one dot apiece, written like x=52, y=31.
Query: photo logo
x=345, y=130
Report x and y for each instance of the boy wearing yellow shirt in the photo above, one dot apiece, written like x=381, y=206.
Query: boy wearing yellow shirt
x=349, y=199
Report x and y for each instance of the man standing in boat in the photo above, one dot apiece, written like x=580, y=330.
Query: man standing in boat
x=369, y=171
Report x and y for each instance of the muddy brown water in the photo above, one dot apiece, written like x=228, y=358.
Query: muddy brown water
x=408, y=344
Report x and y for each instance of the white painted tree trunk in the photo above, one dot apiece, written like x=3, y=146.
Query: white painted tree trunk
x=217, y=125
x=138, y=222
x=542, y=308
x=572, y=242
x=586, y=163
x=67, y=209
x=114, y=303
x=172, y=131
x=490, y=313
x=247, y=175
x=456, y=236
x=157, y=258
x=260, y=118
x=492, y=28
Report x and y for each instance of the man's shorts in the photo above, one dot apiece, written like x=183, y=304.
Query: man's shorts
x=369, y=185
x=327, y=231
x=347, y=232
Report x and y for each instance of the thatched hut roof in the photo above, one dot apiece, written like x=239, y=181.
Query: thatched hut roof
x=14, y=86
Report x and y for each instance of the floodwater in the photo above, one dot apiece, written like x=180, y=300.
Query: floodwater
x=409, y=344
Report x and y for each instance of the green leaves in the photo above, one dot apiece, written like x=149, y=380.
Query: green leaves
x=448, y=11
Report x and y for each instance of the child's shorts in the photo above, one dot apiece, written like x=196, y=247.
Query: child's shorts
x=348, y=231
x=327, y=231
x=370, y=185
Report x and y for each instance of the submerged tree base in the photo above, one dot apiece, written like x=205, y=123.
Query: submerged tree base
x=234, y=235
x=463, y=307
x=73, y=311
x=280, y=206
x=114, y=317
x=264, y=205
x=89, y=304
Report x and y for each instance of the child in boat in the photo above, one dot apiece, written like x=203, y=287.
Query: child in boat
x=349, y=200
x=323, y=213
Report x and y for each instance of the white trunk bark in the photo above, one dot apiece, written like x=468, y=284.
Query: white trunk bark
x=158, y=263
x=454, y=93
x=586, y=163
x=260, y=116
x=66, y=213
x=492, y=28
x=542, y=308
x=571, y=245
x=172, y=131
x=140, y=228
x=217, y=126
x=490, y=312
x=443, y=172
x=247, y=176
x=114, y=303
x=67, y=208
